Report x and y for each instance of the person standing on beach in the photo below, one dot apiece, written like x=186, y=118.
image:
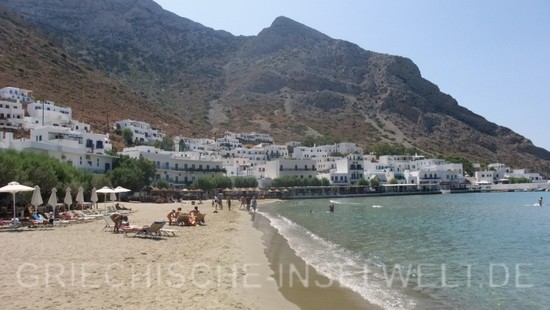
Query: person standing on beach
x=118, y=219
x=171, y=216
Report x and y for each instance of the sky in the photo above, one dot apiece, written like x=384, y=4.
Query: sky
x=493, y=57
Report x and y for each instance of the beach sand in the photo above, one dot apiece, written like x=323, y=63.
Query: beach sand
x=217, y=266
x=221, y=265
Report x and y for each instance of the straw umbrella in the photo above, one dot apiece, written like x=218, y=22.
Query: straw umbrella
x=93, y=197
x=13, y=188
x=68, y=198
x=36, y=199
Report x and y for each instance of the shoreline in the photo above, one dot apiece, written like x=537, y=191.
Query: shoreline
x=298, y=282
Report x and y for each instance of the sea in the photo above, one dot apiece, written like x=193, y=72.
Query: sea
x=453, y=251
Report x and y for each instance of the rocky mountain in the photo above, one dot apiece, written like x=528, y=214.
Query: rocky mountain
x=289, y=81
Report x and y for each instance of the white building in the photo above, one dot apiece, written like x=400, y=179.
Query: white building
x=179, y=169
x=87, y=151
x=500, y=173
x=141, y=132
x=196, y=145
x=16, y=94
x=349, y=170
x=250, y=138
x=279, y=168
x=12, y=114
x=45, y=113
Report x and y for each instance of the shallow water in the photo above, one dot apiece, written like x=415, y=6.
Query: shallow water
x=460, y=251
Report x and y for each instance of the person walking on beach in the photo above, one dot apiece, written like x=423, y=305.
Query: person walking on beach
x=254, y=204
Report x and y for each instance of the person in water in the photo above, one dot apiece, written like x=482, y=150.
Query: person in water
x=540, y=201
x=331, y=208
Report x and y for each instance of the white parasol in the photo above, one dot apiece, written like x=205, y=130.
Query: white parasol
x=53, y=199
x=120, y=189
x=36, y=199
x=68, y=198
x=80, y=197
x=93, y=197
x=13, y=188
x=105, y=190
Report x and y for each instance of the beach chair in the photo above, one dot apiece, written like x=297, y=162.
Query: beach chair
x=168, y=232
x=199, y=218
x=185, y=220
x=108, y=222
x=11, y=226
x=152, y=231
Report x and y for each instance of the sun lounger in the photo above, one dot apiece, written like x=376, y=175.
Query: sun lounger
x=11, y=226
x=168, y=232
x=185, y=220
x=108, y=222
x=152, y=231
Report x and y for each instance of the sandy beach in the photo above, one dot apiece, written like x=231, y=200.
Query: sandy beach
x=221, y=265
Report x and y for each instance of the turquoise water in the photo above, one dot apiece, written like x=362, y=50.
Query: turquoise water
x=459, y=251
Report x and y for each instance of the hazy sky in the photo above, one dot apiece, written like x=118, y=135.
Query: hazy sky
x=492, y=56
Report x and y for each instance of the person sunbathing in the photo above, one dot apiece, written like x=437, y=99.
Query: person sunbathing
x=120, y=207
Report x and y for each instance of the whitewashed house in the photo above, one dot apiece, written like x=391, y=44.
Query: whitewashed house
x=16, y=94
x=202, y=145
x=87, y=151
x=179, y=169
x=46, y=113
x=12, y=114
x=299, y=168
x=142, y=132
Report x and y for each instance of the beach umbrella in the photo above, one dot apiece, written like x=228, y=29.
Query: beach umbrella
x=94, y=198
x=80, y=197
x=105, y=190
x=120, y=189
x=13, y=188
x=53, y=199
x=36, y=199
x=68, y=198
x=112, y=196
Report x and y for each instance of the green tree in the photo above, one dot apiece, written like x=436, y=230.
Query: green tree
x=222, y=181
x=363, y=182
x=205, y=183
x=166, y=144
x=393, y=181
x=161, y=184
x=242, y=182
x=375, y=182
x=131, y=173
x=128, y=136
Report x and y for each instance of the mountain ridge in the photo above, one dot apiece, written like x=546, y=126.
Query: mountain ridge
x=290, y=80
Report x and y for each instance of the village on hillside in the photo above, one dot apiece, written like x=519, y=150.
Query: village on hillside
x=53, y=131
